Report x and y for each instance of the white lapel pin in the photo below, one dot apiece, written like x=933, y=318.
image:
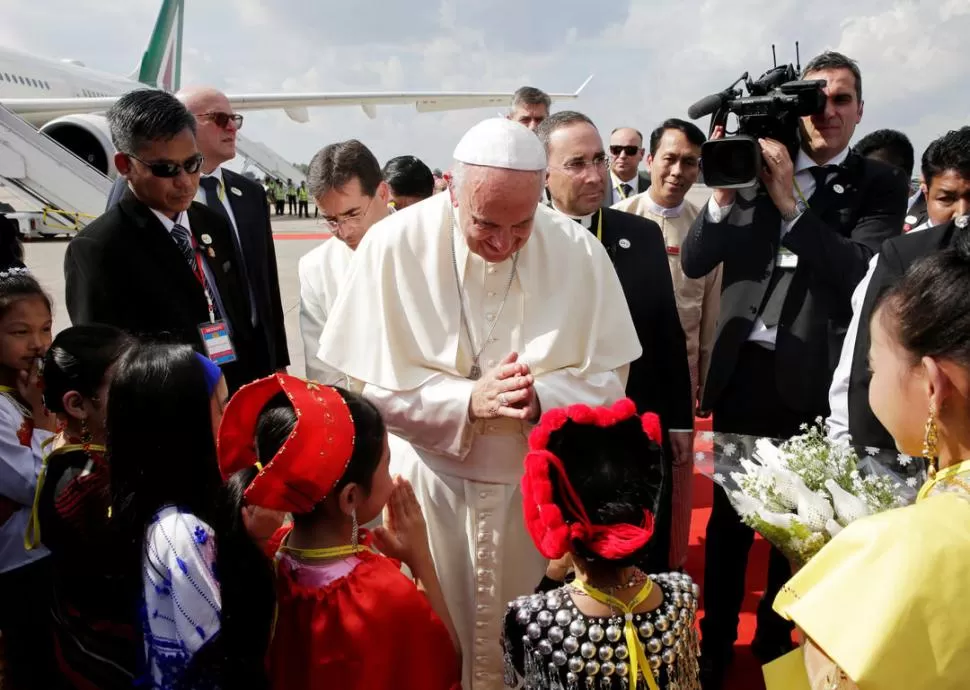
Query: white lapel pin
x=206, y=239
x=838, y=188
x=910, y=219
x=236, y=191
x=962, y=222
x=625, y=243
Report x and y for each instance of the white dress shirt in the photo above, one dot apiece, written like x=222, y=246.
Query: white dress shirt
x=838, y=420
x=617, y=182
x=805, y=181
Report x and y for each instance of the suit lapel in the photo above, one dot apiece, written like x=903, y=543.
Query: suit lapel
x=159, y=247
x=838, y=189
x=210, y=232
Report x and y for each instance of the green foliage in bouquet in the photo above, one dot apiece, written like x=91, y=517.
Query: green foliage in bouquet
x=797, y=543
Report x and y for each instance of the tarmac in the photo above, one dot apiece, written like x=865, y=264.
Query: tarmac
x=293, y=238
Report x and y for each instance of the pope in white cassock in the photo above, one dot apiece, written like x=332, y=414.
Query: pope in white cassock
x=462, y=318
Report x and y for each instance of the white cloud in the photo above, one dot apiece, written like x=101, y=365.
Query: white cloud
x=652, y=59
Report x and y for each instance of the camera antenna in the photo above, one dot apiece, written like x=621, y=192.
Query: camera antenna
x=774, y=57
x=798, y=59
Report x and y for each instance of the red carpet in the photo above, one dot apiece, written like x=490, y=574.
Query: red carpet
x=745, y=672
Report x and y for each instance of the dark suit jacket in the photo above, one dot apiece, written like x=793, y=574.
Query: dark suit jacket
x=125, y=270
x=660, y=379
x=895, y=257
x=251, y=211
x=917, y=214
x=642, y=185
x=834, y=240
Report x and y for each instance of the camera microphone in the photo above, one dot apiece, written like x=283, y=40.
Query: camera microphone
x=709, y=104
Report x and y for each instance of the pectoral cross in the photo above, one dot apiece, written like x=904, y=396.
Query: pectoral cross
x=476, y=372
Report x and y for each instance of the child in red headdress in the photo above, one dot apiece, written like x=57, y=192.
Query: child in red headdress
x=346, y=617
x=591, y=485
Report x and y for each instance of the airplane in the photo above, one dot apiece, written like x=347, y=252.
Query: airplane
x=66, y=100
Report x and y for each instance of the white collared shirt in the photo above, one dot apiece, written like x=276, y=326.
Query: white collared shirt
x=662, y=211
x=838, y=421
x=617, y=183
x=804, y=181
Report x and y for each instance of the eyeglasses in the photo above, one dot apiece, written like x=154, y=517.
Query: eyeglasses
x=628, y=150
x=351, y=218
x=221, y=119
x=191, y=166
x=577, y=167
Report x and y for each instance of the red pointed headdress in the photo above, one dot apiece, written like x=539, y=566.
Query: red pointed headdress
x=312, y=459
x=554, y=526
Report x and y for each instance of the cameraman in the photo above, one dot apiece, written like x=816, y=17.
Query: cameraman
x=792, y=250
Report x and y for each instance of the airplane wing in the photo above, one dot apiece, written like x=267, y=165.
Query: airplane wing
x=296, y=104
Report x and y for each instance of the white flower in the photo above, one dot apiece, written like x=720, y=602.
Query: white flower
x=699, y=456
x=911, y=482
x=904, y=460
x=730, y=449
x=706, y=436
x=872, y=450
x=719, y=478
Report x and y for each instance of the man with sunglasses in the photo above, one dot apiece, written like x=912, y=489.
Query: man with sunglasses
x=346, y=182
x=625, y=178
x=156, y=264
x=243, y=203
x=659, y=380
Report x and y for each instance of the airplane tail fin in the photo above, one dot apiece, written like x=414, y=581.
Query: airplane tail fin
x=161, y=65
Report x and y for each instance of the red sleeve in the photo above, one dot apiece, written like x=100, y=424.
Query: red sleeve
x=371, y=629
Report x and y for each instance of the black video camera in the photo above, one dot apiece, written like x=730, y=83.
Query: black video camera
x=772, y=109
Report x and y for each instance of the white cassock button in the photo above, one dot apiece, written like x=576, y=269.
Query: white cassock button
x=491, y=362
x=484, y=494
x=491, y=269
x=491, y=293
x=490, y=316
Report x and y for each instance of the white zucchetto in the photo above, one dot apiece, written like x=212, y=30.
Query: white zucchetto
x=501, y=143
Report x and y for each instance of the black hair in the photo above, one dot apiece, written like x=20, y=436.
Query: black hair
x=277, y=419
x=928, y=311
x=556, y=121
x=530, y=95
x=691, y=131
x=16, y=282
x=78, y=360
x=895, y=147
x=949, y=152
x=161, y=451
x=335, y=165
x=616, y=472
x=146, y=115
x=409, y=176
x=830, y=59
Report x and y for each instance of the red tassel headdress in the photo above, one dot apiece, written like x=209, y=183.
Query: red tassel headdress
x=554, y=528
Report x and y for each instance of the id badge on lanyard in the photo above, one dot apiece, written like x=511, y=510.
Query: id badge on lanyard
x=216, y=340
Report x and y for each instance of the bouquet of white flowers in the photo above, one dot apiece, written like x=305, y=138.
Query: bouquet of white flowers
x=800, y=493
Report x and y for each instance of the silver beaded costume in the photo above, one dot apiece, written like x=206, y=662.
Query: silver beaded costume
x=552, y=646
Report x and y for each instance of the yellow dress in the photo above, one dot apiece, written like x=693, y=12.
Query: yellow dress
x=884, y=599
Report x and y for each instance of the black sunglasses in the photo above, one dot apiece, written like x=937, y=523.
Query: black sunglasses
x=168, y=169
x=221, y=120
x=628, y=150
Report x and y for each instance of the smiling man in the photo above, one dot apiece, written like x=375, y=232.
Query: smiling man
x=346, y=182
x=792, y=251
x=433, y=325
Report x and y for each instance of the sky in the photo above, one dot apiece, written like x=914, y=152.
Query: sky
x=650, y=59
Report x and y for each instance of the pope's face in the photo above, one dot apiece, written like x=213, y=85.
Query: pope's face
x=496, y=209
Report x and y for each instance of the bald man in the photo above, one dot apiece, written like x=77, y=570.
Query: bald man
x=243, y=204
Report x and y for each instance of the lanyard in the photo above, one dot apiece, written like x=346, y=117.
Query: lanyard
x=199, y=272
x=638, y=657
x=320, y=554
x=945, y=475
x=599, y=225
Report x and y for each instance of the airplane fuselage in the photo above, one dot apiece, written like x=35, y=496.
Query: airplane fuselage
x=27, y=76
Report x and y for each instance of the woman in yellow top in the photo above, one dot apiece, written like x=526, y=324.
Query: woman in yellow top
x=882, y=607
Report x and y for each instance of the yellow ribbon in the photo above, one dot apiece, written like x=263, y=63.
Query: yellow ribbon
x=320, y=554
x=638, y=656
x=945, y=475
x=599, y=226
x=32, y=533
